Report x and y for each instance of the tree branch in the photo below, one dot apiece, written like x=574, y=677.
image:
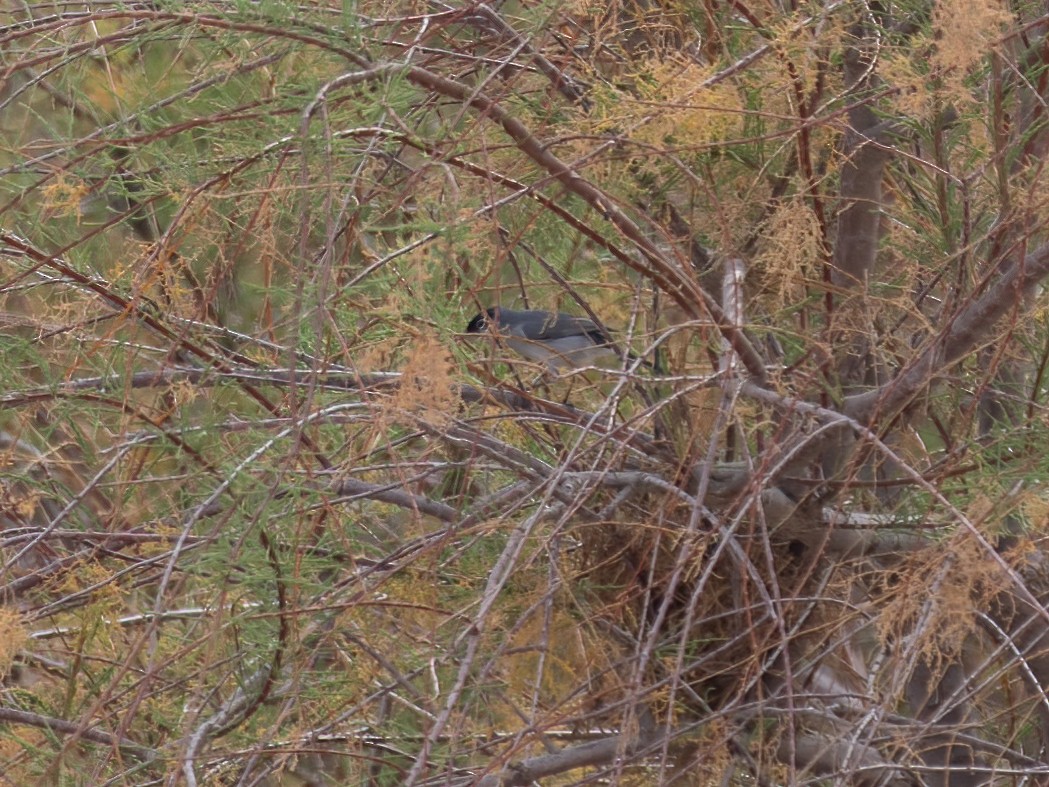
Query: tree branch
x=964, y=332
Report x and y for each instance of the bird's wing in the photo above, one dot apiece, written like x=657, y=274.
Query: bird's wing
x=564, y=326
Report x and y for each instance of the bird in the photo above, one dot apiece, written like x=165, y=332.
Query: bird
x=559, y=340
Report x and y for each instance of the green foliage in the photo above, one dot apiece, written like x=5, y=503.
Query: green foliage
x=268, y=516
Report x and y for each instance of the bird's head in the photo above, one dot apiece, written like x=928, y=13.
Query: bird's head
x=480, y=322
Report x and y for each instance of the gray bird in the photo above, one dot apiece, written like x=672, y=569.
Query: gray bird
x=559, y=340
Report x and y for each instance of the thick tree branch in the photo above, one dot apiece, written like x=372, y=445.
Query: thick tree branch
x=970, y=326
x=602, y=752
x=63, y=727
